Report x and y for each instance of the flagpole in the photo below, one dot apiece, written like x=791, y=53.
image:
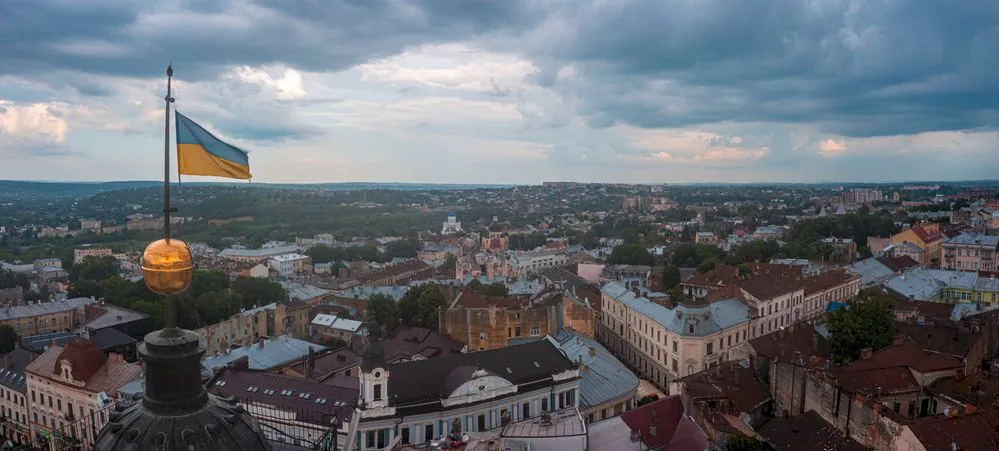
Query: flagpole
x=166, y=155
x=170, y=317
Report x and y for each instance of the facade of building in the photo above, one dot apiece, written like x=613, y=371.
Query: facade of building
x=970, y=251
x=69, y=388
x=416, y=402
x=491, y=322
x=80, y=254
x=13, y=396
x=708, y=238
x=288, y=265
x=247, y=327
x=532, y=262
x=45, y=317
x=664, y=343
x=331, y=326
x=257, y=255
x=926, y=237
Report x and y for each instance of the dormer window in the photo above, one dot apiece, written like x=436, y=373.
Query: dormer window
x=67, y=370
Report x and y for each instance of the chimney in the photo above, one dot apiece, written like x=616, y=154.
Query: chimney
x=897, y=340
x=866, y=353
x=261, y=343
x=8, y=361
x=593, y=352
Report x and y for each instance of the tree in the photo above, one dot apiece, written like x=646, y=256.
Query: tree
x=256, y=291
x=8, y=338
x=489, y=289
x=11, y=279
x=381, y=315
x=671, y=276
x=737, y=442
x=95, y=269
x=868, y=322
x=675, y=293
x=401, y=249
x=631, y=254
x=449, y=263
x=420, y=306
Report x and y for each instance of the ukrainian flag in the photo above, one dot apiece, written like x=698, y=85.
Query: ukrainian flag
x=201, y=153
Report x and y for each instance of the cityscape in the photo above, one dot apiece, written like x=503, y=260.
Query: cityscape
x=556, y=316
x=516, y=225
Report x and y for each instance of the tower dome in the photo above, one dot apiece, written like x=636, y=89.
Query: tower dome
x=176, y=412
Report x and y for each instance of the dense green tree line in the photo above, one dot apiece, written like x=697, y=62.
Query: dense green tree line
x=210, y=299
x=419, y=307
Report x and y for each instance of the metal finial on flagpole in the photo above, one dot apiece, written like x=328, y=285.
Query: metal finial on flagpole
x=166, y=155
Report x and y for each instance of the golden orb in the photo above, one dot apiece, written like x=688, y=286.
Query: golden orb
x=167, y=266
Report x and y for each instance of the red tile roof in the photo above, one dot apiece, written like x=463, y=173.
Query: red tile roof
x=829, y=279
x=472, y=299
x=909, y=354
x=673, y=432
x=101, y=373
x=801, y=340
x=897, y=264
x=728, y=381
x=877, y=381
x=976, y=431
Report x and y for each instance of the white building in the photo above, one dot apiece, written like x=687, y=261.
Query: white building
x=451, y=225
x=287, y=265
x=417, y=401
x=80, y=254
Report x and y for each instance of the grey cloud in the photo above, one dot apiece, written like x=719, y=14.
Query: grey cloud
x=865, y=68
x=201, y=37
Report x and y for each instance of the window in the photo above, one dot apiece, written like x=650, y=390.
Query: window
x=711, y=348
x=544, y=404
x=378, y=392
x=525, y=410
x=674, y=346
x=676, y=366
x=516, y=331
x=535, y=331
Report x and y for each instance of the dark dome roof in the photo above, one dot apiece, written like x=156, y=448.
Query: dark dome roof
x=176, y=413
x=373, y=355
x=222, y=425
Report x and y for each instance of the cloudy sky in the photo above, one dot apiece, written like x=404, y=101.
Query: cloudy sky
x=508, y=91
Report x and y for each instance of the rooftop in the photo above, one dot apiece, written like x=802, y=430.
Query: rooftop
x=976, y=431
x=311, y=401
x=801, y=340
x=42, y=308
x=563, y=423
x=407, y=342
x=106, y=315
x=265, y=354
x=602, y=377
x=735, y=381
x=259, y=253
x=98, y=372
x=327, y=363
x=429, y=381
x=974, y=239
x=790, y=433
x=690, y=320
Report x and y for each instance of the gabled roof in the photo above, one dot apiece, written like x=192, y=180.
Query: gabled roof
x=311, y=401
x=602, y=377
x=976, y=431
x=905, y=352
x=422, y=381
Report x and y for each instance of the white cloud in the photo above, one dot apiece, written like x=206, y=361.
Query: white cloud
x=452, y=66
x=34, y=124
x=681, y=145
x=286, y=87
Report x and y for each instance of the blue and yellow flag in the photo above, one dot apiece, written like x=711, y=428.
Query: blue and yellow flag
x=201, y=153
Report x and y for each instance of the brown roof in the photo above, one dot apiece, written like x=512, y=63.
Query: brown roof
x=927, y=235
x=409, y=341
x=396, y=271
x=906, y=353
x=327, y=363
x=801, y=340
x=976, y=431
x=828, y=280
x=101, y=373
x=876, y=381
x=84, y=358
x=312, y=401
x=809, y=428
x=897, y=264
x=979, y=389
x=730, y=381
x=771, y=285
x=943, y=338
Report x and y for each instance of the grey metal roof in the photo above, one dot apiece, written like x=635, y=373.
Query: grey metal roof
x=602, y=378
x=273, y=353
x=706, y=320
x=42, y=308
x=260, y=253
x=987, y=284
x=303, y=291
x=871, y=271
x=974, y=239
x=113, y=316
x=925, y=284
